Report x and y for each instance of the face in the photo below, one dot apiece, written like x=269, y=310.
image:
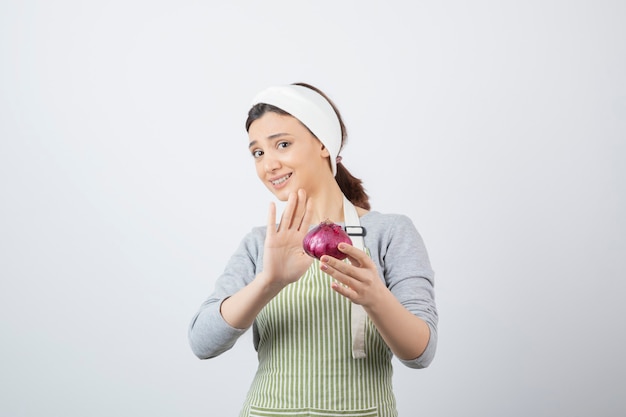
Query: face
x=287, y=156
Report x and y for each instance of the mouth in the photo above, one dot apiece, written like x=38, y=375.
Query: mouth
x=280, y=181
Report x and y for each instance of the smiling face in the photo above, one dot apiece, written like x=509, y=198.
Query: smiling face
x=287, y=156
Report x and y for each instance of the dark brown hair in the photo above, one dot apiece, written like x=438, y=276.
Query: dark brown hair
x=351, y=186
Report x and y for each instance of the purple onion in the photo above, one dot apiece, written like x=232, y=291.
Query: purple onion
x=324, y=238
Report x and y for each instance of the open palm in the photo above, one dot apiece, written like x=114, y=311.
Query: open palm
x=284, y=260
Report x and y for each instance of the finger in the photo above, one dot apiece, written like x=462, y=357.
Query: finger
x=287, y=217
x=300, y=209
x=339, y=270
x=356, y=256
x=347, y=292
x=330, y=264
x=271, y=219
x=347, y=285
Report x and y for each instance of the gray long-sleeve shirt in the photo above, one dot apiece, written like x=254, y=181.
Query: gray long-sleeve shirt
x=396, y=248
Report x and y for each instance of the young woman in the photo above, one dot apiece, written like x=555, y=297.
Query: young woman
x=325, y=330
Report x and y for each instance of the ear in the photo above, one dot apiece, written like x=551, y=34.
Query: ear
x=324, y=152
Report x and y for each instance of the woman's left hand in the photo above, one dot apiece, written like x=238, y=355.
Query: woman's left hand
x=406, y=334
x=361, y=282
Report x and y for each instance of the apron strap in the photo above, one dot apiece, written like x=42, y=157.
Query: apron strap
x=356, y=232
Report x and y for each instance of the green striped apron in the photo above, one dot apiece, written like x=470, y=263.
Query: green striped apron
x=306, y=366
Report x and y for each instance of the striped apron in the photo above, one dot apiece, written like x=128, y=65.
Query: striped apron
x=306, y=366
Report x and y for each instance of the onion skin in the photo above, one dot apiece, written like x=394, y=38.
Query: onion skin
x=324, y=239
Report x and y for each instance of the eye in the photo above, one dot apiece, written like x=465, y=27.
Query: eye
x=257, y=153
x=282, y=145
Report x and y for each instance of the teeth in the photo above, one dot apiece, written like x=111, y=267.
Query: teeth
x=281, y=180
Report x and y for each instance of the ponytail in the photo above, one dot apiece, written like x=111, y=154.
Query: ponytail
x=352, y=187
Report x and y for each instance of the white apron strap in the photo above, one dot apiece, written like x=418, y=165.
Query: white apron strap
x=356, y=232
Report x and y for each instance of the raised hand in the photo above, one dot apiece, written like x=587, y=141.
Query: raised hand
x=284, y=260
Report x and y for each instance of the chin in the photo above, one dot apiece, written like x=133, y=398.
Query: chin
x=281, y=195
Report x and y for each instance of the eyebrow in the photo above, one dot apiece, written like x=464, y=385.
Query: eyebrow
x=270, y=137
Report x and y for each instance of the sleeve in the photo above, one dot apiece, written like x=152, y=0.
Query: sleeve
x=209, y=334
x=410, y=278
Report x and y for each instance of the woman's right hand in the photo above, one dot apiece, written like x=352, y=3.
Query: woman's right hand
x=284, y=260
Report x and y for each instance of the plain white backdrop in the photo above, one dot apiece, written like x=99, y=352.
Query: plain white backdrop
x=499, y=127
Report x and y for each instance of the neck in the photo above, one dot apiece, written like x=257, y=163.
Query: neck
x=327, y=205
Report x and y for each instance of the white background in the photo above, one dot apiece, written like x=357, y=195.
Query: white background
x=499, y=127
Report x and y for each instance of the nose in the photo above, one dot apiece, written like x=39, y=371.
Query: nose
x=271, y=163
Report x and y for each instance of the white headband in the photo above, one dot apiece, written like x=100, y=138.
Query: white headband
x=312, y=110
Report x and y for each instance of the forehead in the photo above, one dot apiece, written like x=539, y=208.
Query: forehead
x=271, y=124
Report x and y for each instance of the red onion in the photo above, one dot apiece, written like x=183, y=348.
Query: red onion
x=324, y=238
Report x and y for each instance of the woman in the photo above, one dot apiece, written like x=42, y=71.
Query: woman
x=325, y=330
